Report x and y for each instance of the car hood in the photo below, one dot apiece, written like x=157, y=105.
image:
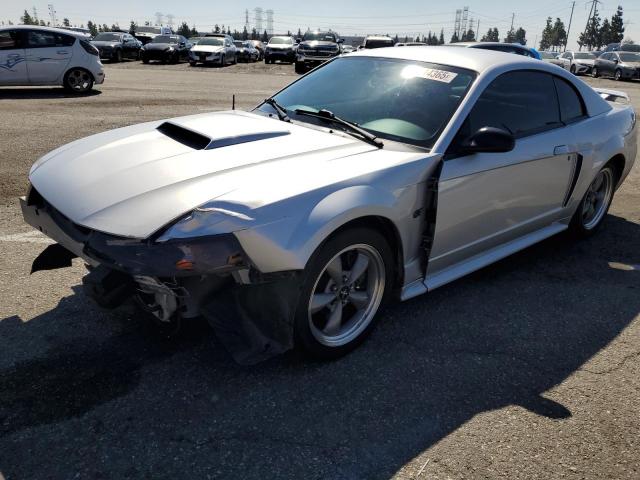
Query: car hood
x=207, y=48
x=159, y=46
x=319, y=44
x=104, y=44
x=132, y=181
x=630, y=64
x=585, y=61
x=280, y=46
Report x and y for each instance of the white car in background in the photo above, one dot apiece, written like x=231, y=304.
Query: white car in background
x=218, y=50
x=31, y=55
x=578, y=63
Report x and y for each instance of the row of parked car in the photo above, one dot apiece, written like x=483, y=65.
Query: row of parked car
x=618, y=64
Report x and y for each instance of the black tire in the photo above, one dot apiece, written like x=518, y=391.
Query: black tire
x=78, y=81
x=579, y=226
x=594, y=72
x=145, y=60
x=305, y=330
x=300, y=68
x=117, y=56
x=618, y=75
x=223, y=61
x=573, y=69
x=193, y=64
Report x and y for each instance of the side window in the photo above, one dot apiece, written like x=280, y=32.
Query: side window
x=44, y=39
x=571, y=105
x=8, y=40
x=521, y=102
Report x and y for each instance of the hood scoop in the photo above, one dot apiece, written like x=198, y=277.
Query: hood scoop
x=199, y=141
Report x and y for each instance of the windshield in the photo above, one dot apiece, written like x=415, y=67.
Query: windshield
x=379, y=43
x=584, y=56
x=108, y=37
x=629, y=57
x=238, y=43
x=401, y=100
x=321, y=36
x=281, y=41
x=165, y=39
x=218, y=42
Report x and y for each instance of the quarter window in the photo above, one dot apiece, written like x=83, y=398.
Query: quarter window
x=8, y=40
x=571, y=106
x=523, y=103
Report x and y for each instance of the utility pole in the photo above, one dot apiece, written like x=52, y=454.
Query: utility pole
x=566, y=41
x=591, y=12
x=513, y=16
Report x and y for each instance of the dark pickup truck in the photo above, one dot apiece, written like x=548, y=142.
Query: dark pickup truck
x=316, y=48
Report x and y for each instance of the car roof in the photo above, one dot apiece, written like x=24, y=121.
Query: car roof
x=476, y=59
x=378, y=37
x=44, y=29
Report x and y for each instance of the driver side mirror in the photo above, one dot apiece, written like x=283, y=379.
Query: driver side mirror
x=341, y=40
x=615, y=60
x=489, y=140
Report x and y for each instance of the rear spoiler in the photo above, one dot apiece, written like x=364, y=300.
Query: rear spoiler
x=612, y=95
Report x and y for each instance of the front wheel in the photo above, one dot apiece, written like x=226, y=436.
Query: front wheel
x=78, y=81
x=344, y=284
x=595, y=73
x=595, y=204
x=573, y=69
x=117, y=58
x=618, y=75
x=300, y=68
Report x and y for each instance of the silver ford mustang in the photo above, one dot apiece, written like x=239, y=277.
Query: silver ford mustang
x=383, y=173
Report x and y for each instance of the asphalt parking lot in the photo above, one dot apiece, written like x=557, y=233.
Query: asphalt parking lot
x=527, y=369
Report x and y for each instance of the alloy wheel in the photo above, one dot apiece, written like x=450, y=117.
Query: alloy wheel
x=597, y=199
x=346, y=295
x=79, y=81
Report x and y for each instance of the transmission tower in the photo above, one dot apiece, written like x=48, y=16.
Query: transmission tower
x=52, y=15
x=35, y=14
x=258, y=14
x=246, y=20
x=159, y=18
x=456, y=27
x=269, y=22
x=170, y=18
x=465, y=19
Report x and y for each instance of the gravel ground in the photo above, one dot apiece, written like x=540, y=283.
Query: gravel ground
x=527, y=369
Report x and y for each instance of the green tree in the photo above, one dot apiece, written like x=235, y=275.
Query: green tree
x=194, y=31
x=93, y=30
x=454, y=38
x=606, y=36
x=492, y=35
x=547, y=36
x=216, y=28
x=591, y=38
x=245, y=34
x=265, y=37
x=133, y=26
x=441, y=38
x=65, y=22
x=511, y=36
x=617, y=26
x=254, y=34
x=558, y=34
x=115, y=27
x=26, y=19
x=184, y=30
x=521, y=36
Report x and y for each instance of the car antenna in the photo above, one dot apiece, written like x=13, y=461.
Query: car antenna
x=233, y=102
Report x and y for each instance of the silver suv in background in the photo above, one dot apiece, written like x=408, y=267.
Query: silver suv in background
x=280, y=48
x=31, y=55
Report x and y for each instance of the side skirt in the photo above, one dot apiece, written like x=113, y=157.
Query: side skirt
x=477, y=262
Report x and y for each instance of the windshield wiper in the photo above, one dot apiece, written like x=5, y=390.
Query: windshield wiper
x=280, y=110
x=350, y=126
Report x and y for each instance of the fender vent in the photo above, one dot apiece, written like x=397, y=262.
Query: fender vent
x=185, y=136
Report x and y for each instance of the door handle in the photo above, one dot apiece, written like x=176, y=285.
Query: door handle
x=561, y=150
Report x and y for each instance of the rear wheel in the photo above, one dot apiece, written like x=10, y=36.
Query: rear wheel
x=344, y=284
x=618, y=75
x=595, y=204
x=223, y=62
x=118, y=56
x=595, y=73
x=78, y=80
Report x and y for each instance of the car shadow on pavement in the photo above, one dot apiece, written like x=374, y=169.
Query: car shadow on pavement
x=128, y=404
x=42, y=92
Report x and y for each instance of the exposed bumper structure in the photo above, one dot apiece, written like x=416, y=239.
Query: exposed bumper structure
x=252, y=314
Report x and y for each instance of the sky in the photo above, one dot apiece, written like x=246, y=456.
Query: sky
x=353, y=17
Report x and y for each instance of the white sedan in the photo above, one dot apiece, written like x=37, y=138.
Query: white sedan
x=292, y=224
x=31, y=55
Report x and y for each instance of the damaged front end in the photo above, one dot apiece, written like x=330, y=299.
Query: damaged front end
x=177, y=278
